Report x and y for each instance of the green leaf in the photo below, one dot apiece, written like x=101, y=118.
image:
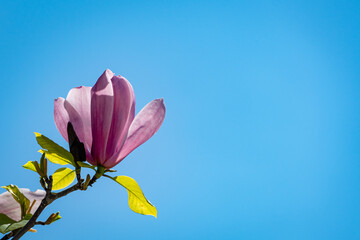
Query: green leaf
x=137, y=201
x=53, y=151
x=30, y=165
x=5, y=222
x=18, y=224
x=19, y=197
x=85, y=165
x=62, y=178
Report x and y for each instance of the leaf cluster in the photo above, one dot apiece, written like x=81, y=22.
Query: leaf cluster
x=8, y=224
x=64, y=176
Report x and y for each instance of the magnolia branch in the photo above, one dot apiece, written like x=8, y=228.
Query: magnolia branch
x=48, y=199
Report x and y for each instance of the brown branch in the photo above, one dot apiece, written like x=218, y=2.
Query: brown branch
x=7, y=236
x=48, y=199
x=92, y=181
x=10, y=234
x=40, y=223
x=77, y=149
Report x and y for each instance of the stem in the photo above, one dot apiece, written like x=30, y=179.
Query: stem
x=10, y=234
x=99, y=172
x=40, y=223
x=48, y=199
x=7, y=236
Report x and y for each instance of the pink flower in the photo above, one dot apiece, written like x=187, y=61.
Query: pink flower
x=104, y=119
x=10, y=207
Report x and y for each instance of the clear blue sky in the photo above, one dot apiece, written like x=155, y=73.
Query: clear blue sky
x=261, y=137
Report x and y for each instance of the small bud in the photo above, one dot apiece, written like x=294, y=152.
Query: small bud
x=38, y=169
x=85, y=186
x=50, y=219
x=42, y=182
x=42, y=164
x=45, y=166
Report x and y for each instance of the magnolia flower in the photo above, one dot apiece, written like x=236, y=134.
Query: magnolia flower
x=10, y=207
x=103, y=117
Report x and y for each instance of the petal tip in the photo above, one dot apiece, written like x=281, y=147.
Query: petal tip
x=59, y=99
x=108, y=71
x=80, y=87
x=161, y=100
x=103, y=81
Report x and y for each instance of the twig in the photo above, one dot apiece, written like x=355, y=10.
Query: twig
x=99, y=172
x=77, y=149
x=10, y=234
x=7, y=236
x=92, y=181
x=40, y=223
x=48, y=199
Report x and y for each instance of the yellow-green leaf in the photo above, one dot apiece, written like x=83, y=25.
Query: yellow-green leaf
x=85, y=165
x=137, y=201
x=19, y=197
x=30, y=165
x=55, y=158
x=54, y=152
x=62, y=178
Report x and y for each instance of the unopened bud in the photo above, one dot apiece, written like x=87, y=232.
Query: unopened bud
x=85, y=186
x=50, y=219
x=38, y=169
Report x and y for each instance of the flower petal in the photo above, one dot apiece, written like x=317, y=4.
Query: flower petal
x=80, y=99
x=61, y=117
x=10, y=207
x=64, y=112
x=102, y=104
x=144, y=126
x=123, y=115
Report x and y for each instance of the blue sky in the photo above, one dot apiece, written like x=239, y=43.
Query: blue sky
x=261, y=136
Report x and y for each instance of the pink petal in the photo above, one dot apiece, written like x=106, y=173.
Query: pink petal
x=80, y=99
x=64, y=112
x=102, y=104
x=61, y=116
x=10, y=207
x=124, y=113
x=144, y=126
